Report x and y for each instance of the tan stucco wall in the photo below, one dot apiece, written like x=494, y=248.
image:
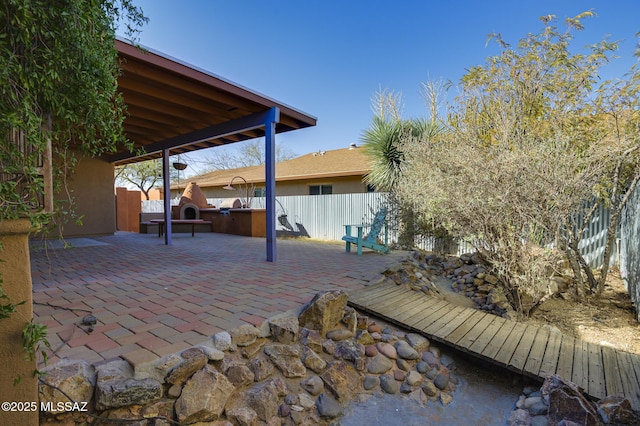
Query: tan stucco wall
x=92, y=186
x=15, y=270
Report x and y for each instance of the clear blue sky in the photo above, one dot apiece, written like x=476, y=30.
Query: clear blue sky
x=327, y=58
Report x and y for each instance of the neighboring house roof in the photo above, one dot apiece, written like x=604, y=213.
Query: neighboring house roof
x=316, y=165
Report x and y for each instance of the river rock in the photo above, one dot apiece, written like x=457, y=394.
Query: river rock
x=387, y=350
x=414, y=378
x=418, y=342
x=328, y=407
x=405, y=351
x=222, y=341
x=75, y=378
x=370, y=382
x=429, y=388
x=379, y=364
x=566, y=402
x=441, y=380
x=341, y=379
x=370, y=351
x=287, y=359
x=430, y=358
x=374, y=328
x=339, y=334
x=403, y=364
x=389, y=384
x=422, y=367
x=204, y=396
x=284, y=329
x=324, y=312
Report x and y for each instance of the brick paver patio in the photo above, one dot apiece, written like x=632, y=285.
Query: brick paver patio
x=151, y=300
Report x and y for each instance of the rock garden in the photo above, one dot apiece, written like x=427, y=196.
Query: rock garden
x=307, y=367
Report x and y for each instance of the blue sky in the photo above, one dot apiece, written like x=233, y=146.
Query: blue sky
x=327, y=58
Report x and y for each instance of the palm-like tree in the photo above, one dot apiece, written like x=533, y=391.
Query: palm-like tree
x=383, y=144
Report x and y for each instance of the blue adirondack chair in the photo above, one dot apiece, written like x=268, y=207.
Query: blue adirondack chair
x=371, y=239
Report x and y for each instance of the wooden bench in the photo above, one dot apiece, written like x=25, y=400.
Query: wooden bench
x=371, y=239
x=192, y=222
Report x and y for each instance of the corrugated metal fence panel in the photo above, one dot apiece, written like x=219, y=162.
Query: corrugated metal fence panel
x=324, y=216
x=630, y=248
x=594, y=238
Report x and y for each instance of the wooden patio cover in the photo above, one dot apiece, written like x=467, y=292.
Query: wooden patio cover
x=175, y=108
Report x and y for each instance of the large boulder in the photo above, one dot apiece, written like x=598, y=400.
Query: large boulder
x=324, y=312
x=204, y=396
x=75, y=378
x=116, y=387
x=566, y=402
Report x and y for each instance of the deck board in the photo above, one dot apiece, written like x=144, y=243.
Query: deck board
x=536, y=354
x=485, y=337
x=464, y=328
x=535, y=351
x=597, y=386
x=611, y=372
x=631, y=378
x=551, y=355
x=498, y=340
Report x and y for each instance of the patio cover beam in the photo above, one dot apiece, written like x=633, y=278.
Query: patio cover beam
x=216, y=131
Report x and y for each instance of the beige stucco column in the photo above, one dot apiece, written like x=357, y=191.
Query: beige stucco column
x=15, y=271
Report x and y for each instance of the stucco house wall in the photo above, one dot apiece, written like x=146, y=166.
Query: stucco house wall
x=343, y=169
x=92, y=189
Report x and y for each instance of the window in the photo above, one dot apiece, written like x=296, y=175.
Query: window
x=320, y=189
x=260, y=192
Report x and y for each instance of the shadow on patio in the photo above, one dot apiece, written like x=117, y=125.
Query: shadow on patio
x=151, y=300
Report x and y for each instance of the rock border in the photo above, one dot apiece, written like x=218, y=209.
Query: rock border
x=295, y=369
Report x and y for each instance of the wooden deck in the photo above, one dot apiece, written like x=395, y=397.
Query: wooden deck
x=533, y=351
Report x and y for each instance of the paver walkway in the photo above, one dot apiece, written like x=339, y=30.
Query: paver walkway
x=527, y=349
x=151, y=300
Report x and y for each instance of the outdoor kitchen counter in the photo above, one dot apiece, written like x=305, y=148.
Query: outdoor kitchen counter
x=247, y=222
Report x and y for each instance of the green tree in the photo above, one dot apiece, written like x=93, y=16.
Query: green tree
x=143, y=175
x=383, y=144
x=532, y=138
x=58, y=96
x=58, y=91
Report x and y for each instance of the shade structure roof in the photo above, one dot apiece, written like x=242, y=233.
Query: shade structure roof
x=172, y=105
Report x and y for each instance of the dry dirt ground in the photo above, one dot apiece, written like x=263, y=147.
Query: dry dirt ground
x=609, y=321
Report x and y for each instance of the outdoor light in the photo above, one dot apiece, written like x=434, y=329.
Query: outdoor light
x=178, y=167
x=230, y=187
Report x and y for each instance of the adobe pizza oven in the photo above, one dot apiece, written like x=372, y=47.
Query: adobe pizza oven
x=191, y=202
